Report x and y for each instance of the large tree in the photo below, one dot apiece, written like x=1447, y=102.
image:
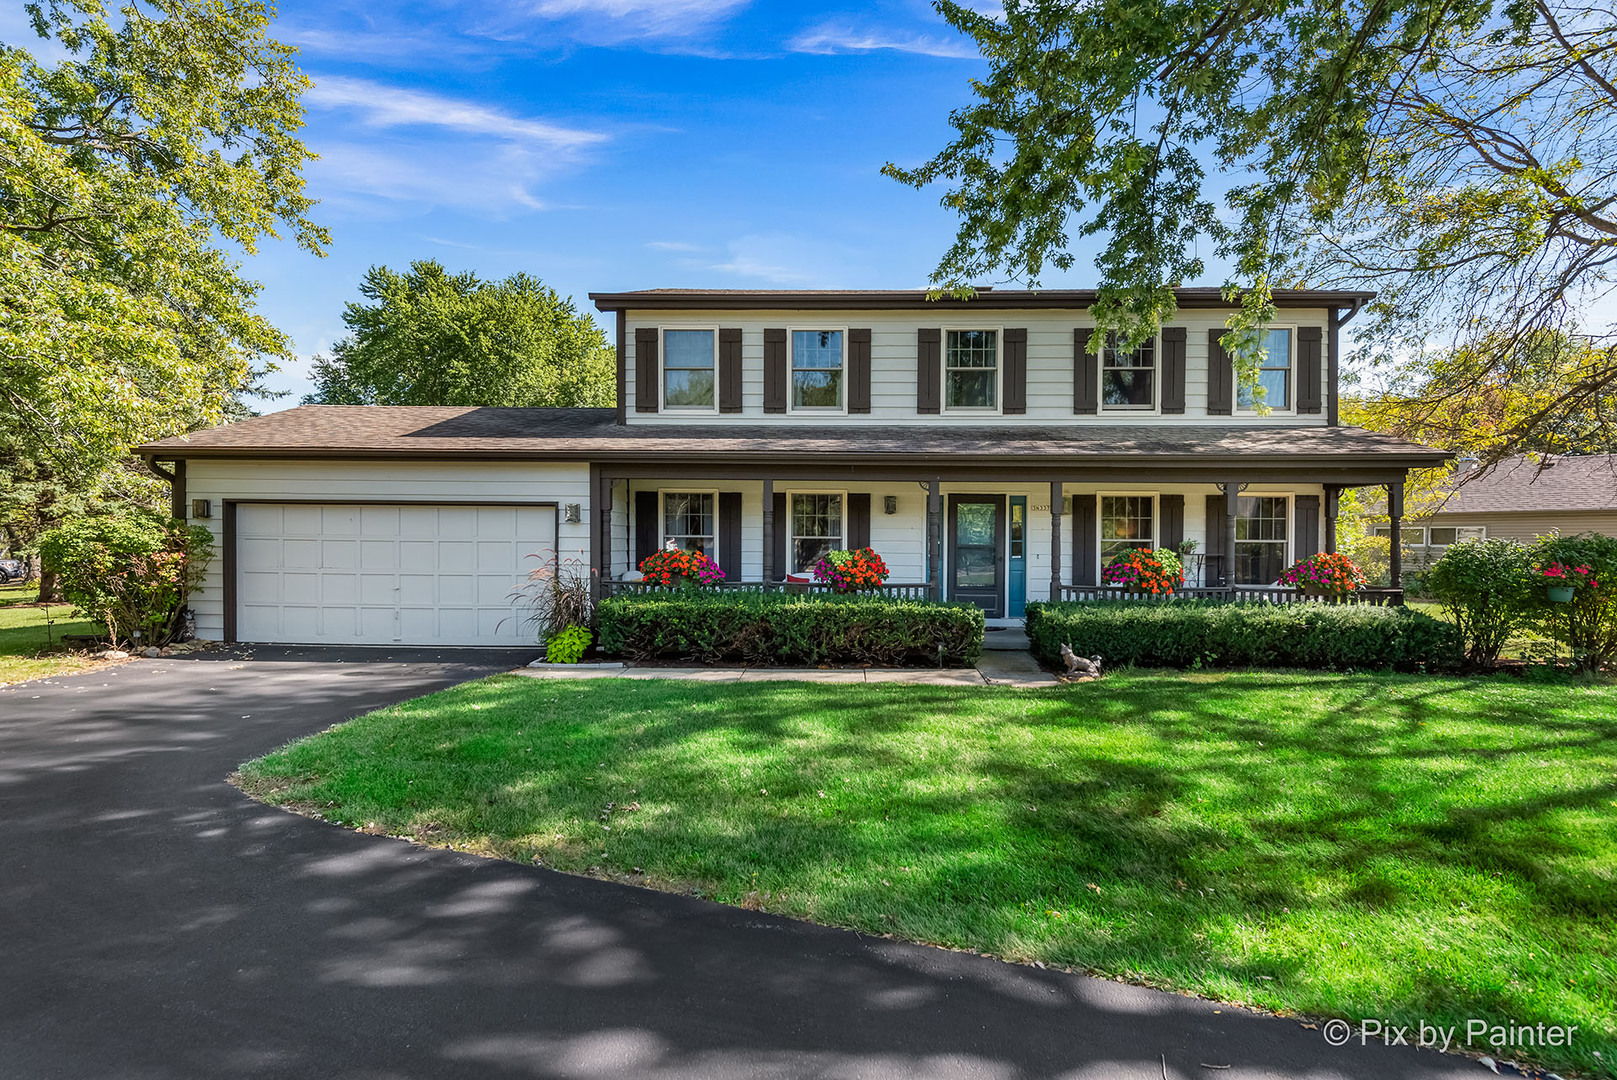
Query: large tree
x=1459, y=157
x=429, y=337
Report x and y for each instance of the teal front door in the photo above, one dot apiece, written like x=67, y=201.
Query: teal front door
x=1016, y=558
x=976, y=552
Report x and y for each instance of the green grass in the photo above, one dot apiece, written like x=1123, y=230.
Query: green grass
x=1399, y=847
x=31, y=649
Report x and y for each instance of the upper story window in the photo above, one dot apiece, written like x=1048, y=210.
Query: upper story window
x=817, y=363
x=689, y=358
x=1126, y=522
x=688, y=521
x=1128, y=377
x=816, y=528
x=1260, y=538
x=1275, y=374
x=971, y=370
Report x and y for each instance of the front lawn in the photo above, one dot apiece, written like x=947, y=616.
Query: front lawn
x=31, y=637
x=1402, y=847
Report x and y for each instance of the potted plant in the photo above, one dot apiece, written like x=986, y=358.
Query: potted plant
x=1562, y=580
x=1158, y=572
x=675, y=568
x=851, y=571
x=1327, y=574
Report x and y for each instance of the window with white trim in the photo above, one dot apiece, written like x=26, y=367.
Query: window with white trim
x=1408, y=535
x=1260, y=538
x=817, y=362
x=688, y=363
x=971, y=369
x=1127, y=522
x=817, y=527
x=688, y=521
x=1128, y=377
x=1444, y=535
x=1274, y=375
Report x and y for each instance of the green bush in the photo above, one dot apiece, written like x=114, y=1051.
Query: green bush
x=1590, y=620
x=567, y=646
x=1212, y=633
x=785, y=629
x=130, y=571
x=1486, y=586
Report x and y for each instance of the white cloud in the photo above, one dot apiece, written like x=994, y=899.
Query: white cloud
x=759, y=258
x=352, y=177
x=644, y=17
x=673, y=245
x=831, y=38
x=382, y=106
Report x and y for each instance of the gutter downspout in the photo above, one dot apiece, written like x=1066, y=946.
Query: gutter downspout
x=1337, y=320
x=176, y=484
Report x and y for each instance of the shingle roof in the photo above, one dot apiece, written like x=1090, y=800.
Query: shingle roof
x=789, y=299
x=594, y=434
x=1519, y=486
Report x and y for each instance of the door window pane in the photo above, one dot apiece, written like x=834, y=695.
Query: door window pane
x=816, y=528
x=1126, y=521
x=816, y=369
x=688, y=369
x=1260, y=539
x=688, y=521
x=971, y=375
x=1018, y=529
x=1128, y=376
x=975, y=545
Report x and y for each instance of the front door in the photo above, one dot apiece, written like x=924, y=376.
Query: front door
x=976, y=554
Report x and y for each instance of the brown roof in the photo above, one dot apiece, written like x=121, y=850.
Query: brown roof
x=1519, y=485
x=696, y=299
x=595, y=435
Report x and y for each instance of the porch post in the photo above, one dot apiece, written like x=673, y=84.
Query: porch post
x=1055, y=539
x=1332, y=495
x=769, y=532
x=1395, y=517
x=934, y=536
x=1232, y=495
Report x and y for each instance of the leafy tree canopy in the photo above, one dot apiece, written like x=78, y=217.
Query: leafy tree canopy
x=129, y=173
x=1461, y=158
x=429, y=337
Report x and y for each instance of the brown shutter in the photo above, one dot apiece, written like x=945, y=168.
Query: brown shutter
x=730, y=370
x=1085, y=378
x=775, y=374
x=1306, y=507
x=783, y=530
x=645, y=369
x=1309, y=339
x=858, y=371
x=1217, y=571
x=1220, y=376
x=1171, y=514
x=730, y=534
x=1173, y=369
x=1015, y=391
x=1084, y=540
x=647, y=530
x=858, y=520
x=928, y=370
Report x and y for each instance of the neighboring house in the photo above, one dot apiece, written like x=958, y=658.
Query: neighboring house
x=976, y=445
x=1522, y=498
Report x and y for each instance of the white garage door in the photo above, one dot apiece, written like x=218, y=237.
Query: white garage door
x=414, y=575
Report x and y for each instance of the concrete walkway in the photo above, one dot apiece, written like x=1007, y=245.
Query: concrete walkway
x=1005, y=662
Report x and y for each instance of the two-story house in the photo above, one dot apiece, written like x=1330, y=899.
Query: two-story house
x=979, y=446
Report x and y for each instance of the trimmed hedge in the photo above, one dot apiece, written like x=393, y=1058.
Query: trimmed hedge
x=789, y=630
x=1212, y=633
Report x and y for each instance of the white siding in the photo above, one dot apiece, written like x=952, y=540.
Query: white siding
x=893, y=374
x=1529, y=526
x=467, y=482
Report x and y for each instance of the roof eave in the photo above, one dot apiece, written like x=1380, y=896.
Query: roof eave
x=862, y=300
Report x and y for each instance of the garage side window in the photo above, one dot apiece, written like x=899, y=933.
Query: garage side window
x=688, y=521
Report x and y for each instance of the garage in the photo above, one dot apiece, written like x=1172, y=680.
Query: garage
x=396, y=573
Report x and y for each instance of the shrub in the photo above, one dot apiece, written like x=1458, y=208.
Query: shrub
x=557, y=594
x=790, y=629
x=1486, y=587
x=1158, y=571
x=1214, y=633
x=1587, y=562
x=1327, y=573
x=673, y=567
x=851, y=571
x=131, y=571
x=567, y=646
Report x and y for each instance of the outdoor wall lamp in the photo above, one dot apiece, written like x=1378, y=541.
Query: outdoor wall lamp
x=201, y=508
x=570, y=513
x=889, y=504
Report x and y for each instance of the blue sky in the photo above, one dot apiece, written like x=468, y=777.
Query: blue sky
x=616, y=144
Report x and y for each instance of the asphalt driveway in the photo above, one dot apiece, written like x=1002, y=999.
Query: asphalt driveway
x=155, y=923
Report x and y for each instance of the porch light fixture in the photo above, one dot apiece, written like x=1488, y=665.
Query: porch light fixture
x=889, y=504
x=570, y=513
x=201, y=508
